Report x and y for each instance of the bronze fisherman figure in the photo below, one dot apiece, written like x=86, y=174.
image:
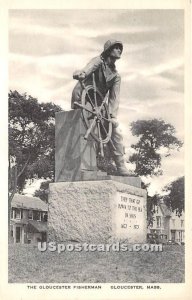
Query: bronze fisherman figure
x=107, y=80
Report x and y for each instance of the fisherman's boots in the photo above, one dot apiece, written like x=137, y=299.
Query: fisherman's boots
x=120, y=164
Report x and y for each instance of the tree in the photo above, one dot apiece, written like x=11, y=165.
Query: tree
x=152, y=201
x=155, y=138
x=43, y=191
x=175, y=195
x=31, y=140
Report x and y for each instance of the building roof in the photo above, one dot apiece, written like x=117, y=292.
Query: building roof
x=27, y=202
x=35, y=226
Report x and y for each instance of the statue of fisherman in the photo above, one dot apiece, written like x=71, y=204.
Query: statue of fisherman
x=107, y=80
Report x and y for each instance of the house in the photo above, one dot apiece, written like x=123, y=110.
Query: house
x=168, y=223
x=28, y=219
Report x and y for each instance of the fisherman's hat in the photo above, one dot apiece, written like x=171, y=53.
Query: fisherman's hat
x=110, y=44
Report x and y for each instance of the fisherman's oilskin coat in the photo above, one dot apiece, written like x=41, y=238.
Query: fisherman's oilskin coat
x=106, y=78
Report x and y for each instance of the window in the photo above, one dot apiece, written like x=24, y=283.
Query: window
x=179, y=236
x=182, y=236
x=44, y=215
x=158, y=221
x=17, y=213
x=173, y=235
x=30, y=215
x=36, y=215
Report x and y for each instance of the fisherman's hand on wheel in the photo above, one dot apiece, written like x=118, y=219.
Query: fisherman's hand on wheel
x=78, y=75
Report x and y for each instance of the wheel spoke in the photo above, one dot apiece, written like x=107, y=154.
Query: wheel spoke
x=108, y=120
x=102, y=104
x=100, y=138
x=93, y=106
x=90, y=128
x=94, y=91
x=84, y=107
x=104, y=128
x=114, y=148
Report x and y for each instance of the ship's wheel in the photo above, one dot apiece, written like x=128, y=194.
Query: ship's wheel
x=96, y=115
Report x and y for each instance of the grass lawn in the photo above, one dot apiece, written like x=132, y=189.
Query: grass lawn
x=28, y=265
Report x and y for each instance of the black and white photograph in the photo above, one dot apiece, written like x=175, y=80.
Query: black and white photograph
x=96, y=150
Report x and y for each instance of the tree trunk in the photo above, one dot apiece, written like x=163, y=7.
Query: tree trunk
x=13, y=187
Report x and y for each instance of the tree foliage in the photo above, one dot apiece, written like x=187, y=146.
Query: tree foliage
x=43, y=191
x=156, y=139
x=152, y=201
x=175, y=195
x=31, y=138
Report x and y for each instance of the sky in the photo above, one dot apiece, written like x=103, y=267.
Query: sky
x=47, y=46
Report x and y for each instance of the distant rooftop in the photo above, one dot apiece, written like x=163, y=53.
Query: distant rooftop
x=22, y=201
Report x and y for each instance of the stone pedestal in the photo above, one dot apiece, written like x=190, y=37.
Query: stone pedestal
x=96, y=212
x=74, y=156
x=134, y=181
